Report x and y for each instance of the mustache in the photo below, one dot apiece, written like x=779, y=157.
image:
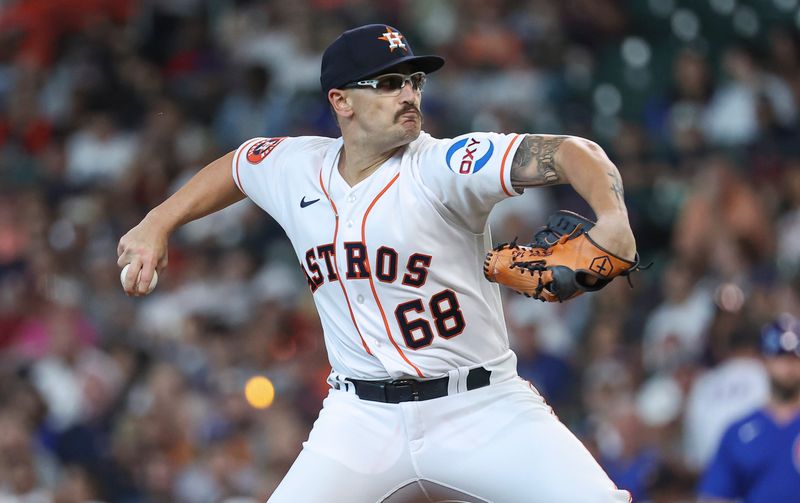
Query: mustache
x=406, y=109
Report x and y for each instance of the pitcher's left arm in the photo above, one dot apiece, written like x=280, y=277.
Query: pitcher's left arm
x=542, y=160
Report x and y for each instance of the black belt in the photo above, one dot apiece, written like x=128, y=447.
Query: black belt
x=412, y=390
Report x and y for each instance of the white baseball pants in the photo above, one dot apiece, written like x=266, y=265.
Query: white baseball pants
x=497, y=444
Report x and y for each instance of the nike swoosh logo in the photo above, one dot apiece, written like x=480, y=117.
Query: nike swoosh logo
x=304, y=203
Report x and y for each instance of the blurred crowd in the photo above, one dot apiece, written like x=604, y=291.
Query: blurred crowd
x=107, y=106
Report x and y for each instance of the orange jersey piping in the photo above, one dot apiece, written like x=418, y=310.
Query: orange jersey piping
x=372, y=283
x=503, y=166
x=336, y=264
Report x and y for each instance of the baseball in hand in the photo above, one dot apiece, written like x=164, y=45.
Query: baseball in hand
x=153, y=282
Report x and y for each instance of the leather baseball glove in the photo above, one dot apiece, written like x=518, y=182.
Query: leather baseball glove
x=561, y=263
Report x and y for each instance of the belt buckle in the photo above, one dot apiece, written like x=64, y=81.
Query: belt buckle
x=410, y=383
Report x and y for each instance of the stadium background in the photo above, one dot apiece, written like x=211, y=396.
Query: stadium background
x=107, y=106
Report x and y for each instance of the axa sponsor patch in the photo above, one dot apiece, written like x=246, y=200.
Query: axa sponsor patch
x=469, y=155
x=261, y=149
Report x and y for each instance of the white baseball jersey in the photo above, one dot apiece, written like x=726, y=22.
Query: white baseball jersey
x=395, y=262
x=395, y=267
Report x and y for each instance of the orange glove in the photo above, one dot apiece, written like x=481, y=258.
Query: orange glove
x=562, y=262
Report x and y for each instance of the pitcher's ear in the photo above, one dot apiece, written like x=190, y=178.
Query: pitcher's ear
x=340, y=102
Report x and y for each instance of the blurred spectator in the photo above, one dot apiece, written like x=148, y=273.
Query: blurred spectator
x=19, y=480
x=625, y=453
x=758, y=456
x=99, y=152
x=721, y=208
x=541, y=343
x=788, y=227
x=735, y=386
x=253, y=110
x=680, y=119
x=733, y=114
x=607, y=387
x=675, y=330
x=280, y=37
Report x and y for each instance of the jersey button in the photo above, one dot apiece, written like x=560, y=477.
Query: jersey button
x=351, y=198
x=360, y=299
x=349, y=223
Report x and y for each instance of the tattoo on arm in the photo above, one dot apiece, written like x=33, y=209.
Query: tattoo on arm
x=541, y=150
x=616, y=188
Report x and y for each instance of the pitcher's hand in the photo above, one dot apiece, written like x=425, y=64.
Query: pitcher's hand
x=145, y=248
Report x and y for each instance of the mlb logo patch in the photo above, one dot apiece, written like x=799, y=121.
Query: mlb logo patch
x=469, y=155
x=261, y=149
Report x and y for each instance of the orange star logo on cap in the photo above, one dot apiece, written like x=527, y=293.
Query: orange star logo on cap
x=395, y=39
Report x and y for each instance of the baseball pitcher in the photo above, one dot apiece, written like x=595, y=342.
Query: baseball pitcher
x=390, y=227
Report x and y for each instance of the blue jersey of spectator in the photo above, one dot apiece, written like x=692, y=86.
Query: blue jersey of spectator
x=758, y=460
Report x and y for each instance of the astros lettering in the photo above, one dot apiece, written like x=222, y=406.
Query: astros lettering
x=386, y=261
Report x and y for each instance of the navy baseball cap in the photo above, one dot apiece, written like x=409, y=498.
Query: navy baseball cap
x=367, y=51
x=781, y=337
